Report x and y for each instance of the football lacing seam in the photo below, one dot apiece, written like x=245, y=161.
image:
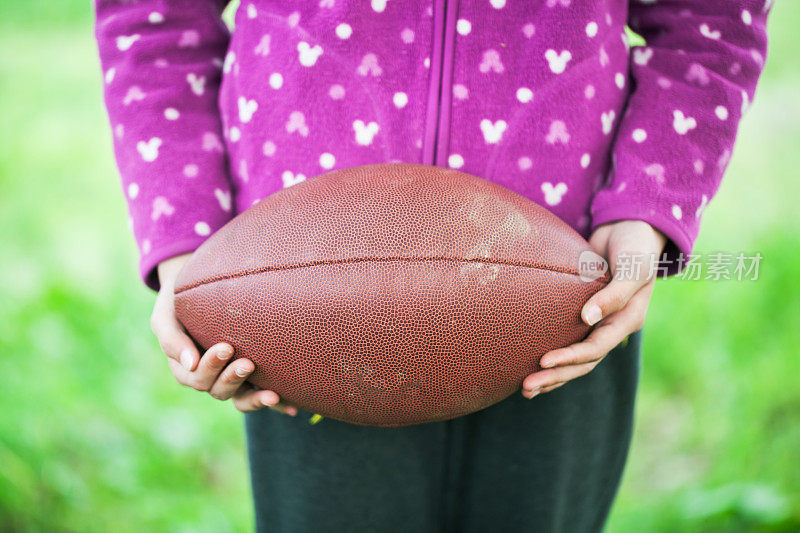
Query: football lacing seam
x=261, y=270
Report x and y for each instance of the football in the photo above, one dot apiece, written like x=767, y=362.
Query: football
x=389, y=294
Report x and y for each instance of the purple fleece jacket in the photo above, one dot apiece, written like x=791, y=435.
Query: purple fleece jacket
x=542, y=96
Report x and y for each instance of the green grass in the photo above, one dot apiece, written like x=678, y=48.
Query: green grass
x=95, y=436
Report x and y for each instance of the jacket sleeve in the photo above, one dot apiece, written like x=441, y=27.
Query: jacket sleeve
x=691, y=84
x=162, y=62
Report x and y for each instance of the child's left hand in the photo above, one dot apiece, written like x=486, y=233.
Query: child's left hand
x=619, y=308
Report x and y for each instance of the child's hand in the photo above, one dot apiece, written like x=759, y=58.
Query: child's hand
x=210, y=373
x=619, y=308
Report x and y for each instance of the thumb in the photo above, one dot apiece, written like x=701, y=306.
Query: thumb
x=631, y=272
x=612, y=298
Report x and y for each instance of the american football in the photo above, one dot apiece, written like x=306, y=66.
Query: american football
x=389, y=294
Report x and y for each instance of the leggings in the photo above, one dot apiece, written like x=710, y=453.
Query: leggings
x=550, y=464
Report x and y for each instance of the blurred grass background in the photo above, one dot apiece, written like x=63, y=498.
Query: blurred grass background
x=95, y=435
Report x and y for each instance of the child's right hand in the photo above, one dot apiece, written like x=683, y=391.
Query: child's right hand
x=212, y=372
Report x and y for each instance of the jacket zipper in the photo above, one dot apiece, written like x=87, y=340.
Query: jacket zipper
x=437, y=121
x=435, y=145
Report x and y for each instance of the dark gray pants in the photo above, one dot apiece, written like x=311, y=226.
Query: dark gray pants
x=550, y=464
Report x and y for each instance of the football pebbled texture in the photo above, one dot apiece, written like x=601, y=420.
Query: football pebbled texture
x=389, y=294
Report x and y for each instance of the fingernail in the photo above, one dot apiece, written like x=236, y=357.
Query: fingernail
x=266, y=400
x=225, y=354
x=291, y=411
x=241, y=372
x=593, y=315
x=534, y=392
x=546, y=363
x=187, y=359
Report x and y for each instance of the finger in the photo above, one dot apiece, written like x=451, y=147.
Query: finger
x=610, y=299
x=191, y=379
x=211, y=364
x=632, y=268
x=248, y=399
x=285, y=409
x=174, y=342
x=231, y=379
x=538, y=382
x=543, y=390
x=606, y=336
x=552, y=387
x=600, y=341
x=186, y=378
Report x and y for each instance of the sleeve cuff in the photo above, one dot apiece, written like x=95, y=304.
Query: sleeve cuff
x=679, y=243
x=148, y=263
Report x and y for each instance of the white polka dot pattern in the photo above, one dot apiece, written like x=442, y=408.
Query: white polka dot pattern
x=539, y=96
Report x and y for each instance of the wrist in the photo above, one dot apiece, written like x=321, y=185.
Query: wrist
x=169, y=268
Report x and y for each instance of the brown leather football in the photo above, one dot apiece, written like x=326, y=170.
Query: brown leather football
x=389, y=294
